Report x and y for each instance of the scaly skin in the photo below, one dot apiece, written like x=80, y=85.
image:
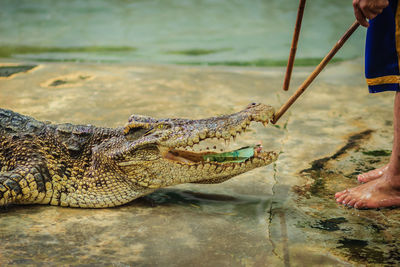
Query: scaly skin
x=92, y=167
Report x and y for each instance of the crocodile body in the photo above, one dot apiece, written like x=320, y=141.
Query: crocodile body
x=94, y=167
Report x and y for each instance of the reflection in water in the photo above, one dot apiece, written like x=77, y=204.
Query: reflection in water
x=189, y=197
x=237, y=206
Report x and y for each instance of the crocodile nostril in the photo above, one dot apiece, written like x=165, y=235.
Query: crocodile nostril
x=252, y=105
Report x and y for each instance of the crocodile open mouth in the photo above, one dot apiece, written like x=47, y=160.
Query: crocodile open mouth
x=235, y=156
x=178, y=140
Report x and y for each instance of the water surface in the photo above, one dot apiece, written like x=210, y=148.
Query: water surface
x=227, y=32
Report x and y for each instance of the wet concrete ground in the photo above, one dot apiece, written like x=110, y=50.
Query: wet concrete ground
x=280, y=215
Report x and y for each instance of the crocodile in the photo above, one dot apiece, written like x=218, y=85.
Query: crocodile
x=95, y=167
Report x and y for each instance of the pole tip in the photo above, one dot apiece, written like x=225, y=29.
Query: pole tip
x=273, y=120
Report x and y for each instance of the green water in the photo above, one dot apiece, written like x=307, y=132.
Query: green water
x=244, y=33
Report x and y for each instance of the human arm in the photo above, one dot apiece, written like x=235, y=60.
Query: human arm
x=368, y=9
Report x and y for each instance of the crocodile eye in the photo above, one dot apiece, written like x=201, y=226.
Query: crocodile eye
x=163, y=126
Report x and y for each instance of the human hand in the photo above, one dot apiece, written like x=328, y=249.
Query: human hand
x=368, y=9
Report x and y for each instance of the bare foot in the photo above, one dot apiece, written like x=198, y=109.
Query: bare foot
x=372, y=175
x=377, y=193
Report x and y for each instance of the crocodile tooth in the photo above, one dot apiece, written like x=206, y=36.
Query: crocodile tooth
x=229, y=168
x=226, y=135
x=182, y=144
x=195, y=147
x=218, y=169
x=193, y=167
x=256, y=160
x=203, y=134
x=218, y=134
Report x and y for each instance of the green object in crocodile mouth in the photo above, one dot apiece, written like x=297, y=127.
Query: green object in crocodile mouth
x=239, y=155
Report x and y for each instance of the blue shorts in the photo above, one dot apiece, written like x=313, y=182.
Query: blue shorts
x=382, y=50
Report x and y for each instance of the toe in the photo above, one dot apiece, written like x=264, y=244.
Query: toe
x=351, y=203
x=359, y=204
x=346, y=200
x=341, y=198
x=361, y=178
x=340, y=194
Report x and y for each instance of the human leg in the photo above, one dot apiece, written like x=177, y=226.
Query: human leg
x=385, y=191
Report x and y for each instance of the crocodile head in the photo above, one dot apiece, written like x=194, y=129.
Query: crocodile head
x=156, y=153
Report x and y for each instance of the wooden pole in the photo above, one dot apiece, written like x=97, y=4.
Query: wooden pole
x=316, y=71
x=293, y=48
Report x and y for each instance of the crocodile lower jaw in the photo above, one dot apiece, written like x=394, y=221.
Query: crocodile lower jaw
x=190, y=157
